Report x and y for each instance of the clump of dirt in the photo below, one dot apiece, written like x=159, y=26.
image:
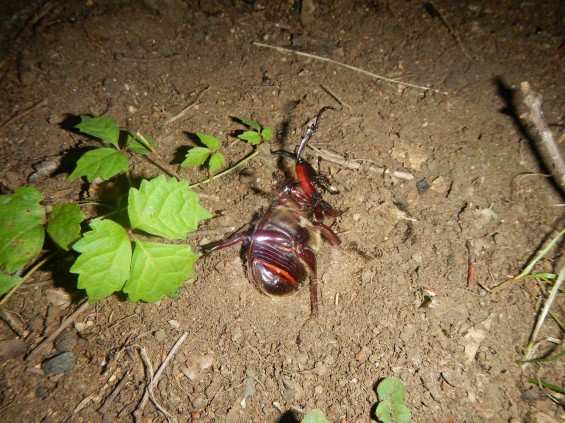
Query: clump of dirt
x=471, y=181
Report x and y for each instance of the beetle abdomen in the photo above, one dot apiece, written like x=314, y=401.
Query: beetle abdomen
x=275, y=268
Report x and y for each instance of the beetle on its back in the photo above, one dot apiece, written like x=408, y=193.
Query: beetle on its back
x=280, y=249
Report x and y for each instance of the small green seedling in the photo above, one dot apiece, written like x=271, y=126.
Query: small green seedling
x=257, y=134
x=392, y=396
x=106, y=162
x=315, y=416
x=197, y=156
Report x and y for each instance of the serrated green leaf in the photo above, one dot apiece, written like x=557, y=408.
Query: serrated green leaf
x=7, y=282
x=216, y=162
x=103, y=162
x=196, y=156
x=21, y=228
x=165, y=208
x=315, y=416
x=250, y=123
x=209, y=141
x=267, y=134
x=159, y=270
x=103, y=127
x=251, y=137
x=136, y=144
x=104, y=264
x=63, y=224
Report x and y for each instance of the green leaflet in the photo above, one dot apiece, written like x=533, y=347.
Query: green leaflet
x=103, y=162
x=104, y=264
x=165, y=208
x=159, y=270
x=103, y=127
x=21, y=228
x=63, y=224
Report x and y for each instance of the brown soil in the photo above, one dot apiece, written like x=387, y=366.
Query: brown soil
x=142, y=62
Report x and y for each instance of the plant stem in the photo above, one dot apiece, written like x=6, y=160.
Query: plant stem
x=543, y=314
x=166, y=167
x=25, y=278
x=228, y=170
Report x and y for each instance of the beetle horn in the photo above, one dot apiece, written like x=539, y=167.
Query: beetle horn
x=309, y=132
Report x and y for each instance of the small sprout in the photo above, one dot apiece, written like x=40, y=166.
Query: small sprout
x=197, y=156
x=257, y=134
x=392, y=396
x=314, y=416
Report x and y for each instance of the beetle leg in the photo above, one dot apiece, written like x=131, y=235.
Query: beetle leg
x=309, y=258
x=233, y=239
x=328, y=233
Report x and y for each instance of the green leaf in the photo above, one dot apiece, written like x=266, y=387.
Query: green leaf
x=196, y=157
x=165, y=208
x=209, y=141
x=158, y=270
x=251, y=137
x=103, y=127
x=136, y=145
x=7, y=282
x=216, y=162
x=104, y=264
x=392, y=395
x=315, y=416
x=383, y=412
x=103, y=162
x=21, y=228
x=63, y=224
x=267, y=134
x=250, y=123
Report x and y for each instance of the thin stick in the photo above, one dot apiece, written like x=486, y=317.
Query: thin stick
x=544, y=313
x=150, y=147
x=356, y=69
x=356, y=165
x=452, y=32
x=187, y=108
x=230, y=169
x=471, y=260
x=335, y=97
x=153, y=380
x=533, y=101
x=32, y=356
x=110, y=398
x=26, y=112
x=25, y=278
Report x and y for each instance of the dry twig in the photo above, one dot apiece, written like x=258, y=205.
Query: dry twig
x=533, y=101
x=357, y=165
x=32, y=356
x=354, y=68
x=187, y=108
x=153, y=380
x=26, y=112
x=110, y=398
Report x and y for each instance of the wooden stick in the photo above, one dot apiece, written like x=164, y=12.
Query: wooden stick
x=32, y=356
x=26, y=112
x=533, y=101
x=153, y=380
x=354, y=68
x=356, y=165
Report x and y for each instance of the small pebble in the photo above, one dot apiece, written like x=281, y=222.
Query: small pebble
x=66, y=341
x=422, y=186
x=160, y=335
x=61, y=363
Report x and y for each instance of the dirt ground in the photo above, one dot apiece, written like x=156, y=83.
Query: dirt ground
x=248, y=357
